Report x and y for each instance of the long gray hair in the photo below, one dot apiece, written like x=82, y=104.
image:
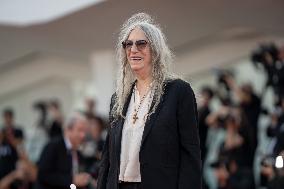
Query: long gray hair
x=161, y=60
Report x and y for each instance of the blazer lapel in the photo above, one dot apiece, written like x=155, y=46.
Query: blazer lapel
x=151, y=119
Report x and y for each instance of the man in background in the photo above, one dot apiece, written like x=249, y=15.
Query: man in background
x=59, y=162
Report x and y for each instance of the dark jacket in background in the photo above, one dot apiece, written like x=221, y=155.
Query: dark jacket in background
x=8, y=152
x=55, y=129
x=55, y=166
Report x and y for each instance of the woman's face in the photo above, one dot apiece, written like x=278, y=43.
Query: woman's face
x=138, y=51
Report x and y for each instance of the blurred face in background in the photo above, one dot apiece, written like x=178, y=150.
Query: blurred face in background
x=206, y=98
x=96, y=129
x=90, y=104
x=281, y=53
x=77, y=133
x=245, y=97
x=8, y=119
x=55, y=113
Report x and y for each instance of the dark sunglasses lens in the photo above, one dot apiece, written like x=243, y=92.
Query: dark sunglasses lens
x=141, y=44
x=127, y=44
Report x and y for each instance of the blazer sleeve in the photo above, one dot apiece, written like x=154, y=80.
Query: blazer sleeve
x=46, y=173
x=190, y=160
x=104, y=164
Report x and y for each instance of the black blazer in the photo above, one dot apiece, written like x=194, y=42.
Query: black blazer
x=55, y=166
x=169, y=153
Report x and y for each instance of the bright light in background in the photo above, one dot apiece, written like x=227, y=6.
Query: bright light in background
x=72, y=186
x=279, y=162
x=29, y=12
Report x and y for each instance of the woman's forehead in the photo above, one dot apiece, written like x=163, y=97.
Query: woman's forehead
x=137, y=33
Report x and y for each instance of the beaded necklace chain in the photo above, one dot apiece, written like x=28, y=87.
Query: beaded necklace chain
x=136, y=110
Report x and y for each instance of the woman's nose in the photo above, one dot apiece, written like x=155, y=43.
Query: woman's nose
x=133, y=48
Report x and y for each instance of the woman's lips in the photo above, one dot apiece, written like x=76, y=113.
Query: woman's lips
x=136, y=58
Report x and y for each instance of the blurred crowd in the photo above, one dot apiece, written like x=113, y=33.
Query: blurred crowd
x=230, y=132
x=70, y=155
x=229, y=137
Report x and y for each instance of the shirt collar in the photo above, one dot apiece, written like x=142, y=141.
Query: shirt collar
x=67, y=143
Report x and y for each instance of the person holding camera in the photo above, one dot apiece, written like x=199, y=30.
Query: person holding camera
x=275, y=131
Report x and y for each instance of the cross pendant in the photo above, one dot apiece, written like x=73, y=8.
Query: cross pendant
x=135, y=117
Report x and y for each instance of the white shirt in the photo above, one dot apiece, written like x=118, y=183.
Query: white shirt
x=67, y=143
x=131, y=138
x=75, y=163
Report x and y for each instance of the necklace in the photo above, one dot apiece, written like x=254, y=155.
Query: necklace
x=136, y=110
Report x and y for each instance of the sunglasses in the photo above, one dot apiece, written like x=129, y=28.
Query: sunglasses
x=140, y=44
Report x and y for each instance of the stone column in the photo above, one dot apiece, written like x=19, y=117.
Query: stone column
x=103, y=67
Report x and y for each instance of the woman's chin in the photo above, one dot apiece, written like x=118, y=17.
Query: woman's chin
x=136, y=67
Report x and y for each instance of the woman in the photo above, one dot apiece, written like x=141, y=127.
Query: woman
x=153, y=139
